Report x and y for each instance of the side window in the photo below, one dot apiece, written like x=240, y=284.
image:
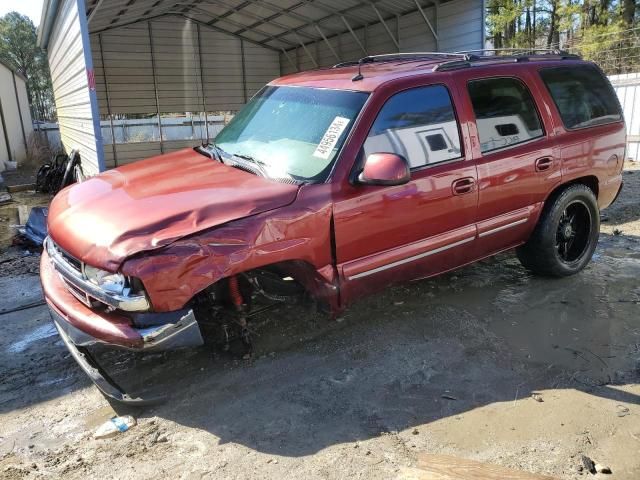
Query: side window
x=505, y=112
x=583, y=96
x=418, y=124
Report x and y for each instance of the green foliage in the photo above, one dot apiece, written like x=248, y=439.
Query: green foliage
x=606, y=31
x=18, y=48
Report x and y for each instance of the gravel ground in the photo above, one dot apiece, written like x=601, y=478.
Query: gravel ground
x=487, y=363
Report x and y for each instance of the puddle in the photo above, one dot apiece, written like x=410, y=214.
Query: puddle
x=40, y=333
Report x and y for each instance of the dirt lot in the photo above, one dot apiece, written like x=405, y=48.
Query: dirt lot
x=487, y=363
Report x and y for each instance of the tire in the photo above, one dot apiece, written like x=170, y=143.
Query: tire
x=566, y=235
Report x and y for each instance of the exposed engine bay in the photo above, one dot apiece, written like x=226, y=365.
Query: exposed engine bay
x=226, y=310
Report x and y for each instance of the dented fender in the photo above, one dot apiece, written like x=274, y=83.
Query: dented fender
x=298, y=237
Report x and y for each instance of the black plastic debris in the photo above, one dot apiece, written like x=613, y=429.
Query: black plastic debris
x=60, y=172
x=36, y=228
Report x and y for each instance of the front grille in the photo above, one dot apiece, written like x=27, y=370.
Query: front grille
x=79, y=294
x=70, y=260
x=76, y=265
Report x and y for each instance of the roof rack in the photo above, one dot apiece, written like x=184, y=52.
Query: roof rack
x=516, y=55
x=513, y=51
x=397, y=56
x=464, y=59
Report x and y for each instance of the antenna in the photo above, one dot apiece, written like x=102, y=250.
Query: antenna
x=358, y=76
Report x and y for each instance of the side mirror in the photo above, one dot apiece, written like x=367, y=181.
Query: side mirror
x=385, y=169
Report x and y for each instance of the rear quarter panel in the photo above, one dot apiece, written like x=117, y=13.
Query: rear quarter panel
x=593, y=151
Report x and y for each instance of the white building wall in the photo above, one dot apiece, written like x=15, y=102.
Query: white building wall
x=15, y=106
x=71, y=70
x=627, y=87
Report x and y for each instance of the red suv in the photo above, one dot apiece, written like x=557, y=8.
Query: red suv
x=332, y=184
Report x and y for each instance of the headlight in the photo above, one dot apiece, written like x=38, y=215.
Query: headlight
x=111, y=282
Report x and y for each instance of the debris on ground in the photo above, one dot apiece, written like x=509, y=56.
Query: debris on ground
x=18, y=260
x=622, y=411
x=114, y=426
x=537, y=397
x=602, y=469
x=35, y=230
x=61, y=172
x=5, y=198
x=588, y=464
x=23, y=187
x=431, y=466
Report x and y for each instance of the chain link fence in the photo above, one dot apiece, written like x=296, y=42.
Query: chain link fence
x=615, y=52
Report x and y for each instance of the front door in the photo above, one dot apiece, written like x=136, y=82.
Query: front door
x=385, y=234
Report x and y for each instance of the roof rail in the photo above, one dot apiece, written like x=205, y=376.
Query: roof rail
x=513, y=51
x=517, y=55
x=397, y=56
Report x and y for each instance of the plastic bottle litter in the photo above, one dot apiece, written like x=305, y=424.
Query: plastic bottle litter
x=114, y=426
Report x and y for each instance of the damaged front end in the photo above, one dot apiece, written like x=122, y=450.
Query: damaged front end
x=117, y=313
x=87, y=313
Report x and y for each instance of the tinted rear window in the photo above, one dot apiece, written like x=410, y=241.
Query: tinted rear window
x=583, y=96
x=505, y=113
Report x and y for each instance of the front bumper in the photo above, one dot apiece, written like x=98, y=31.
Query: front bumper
x=80, y=326
x=142, y=331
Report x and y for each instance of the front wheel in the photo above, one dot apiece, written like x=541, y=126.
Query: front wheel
x=566, y=235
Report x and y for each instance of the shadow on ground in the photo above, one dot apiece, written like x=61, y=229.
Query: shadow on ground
x=436, y=348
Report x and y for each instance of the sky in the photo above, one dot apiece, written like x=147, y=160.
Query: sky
x=30, y=8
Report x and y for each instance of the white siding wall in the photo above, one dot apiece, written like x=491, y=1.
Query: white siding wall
x=459, y=27
x=75, y=101
x=13, y=106
x=231, y=73
x=627, y=87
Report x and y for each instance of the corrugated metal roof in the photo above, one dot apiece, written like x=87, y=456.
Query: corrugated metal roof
x=275, y=24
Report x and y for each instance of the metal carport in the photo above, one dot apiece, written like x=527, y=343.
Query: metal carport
x=125, y=59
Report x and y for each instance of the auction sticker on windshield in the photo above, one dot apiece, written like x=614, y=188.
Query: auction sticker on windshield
x=330, y=138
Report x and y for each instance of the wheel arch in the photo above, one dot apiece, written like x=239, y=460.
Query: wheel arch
x=590, y=181
x=321, y=284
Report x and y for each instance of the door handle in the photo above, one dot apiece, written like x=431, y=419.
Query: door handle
x=544, y=163
x=463, y=185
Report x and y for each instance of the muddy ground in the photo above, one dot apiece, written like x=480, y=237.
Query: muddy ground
x=487, y=363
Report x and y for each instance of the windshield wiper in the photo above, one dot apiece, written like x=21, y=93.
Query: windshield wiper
x=217, y=152
x=259, y=165
x=211, y=150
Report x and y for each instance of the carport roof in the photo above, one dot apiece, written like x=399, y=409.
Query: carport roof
x=275, y=24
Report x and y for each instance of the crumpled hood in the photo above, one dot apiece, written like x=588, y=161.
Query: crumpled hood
x=154, y=202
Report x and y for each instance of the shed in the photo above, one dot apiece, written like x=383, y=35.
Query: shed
x=15, y=116
x=117, y=62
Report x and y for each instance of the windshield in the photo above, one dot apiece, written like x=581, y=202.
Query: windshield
x=292, y=132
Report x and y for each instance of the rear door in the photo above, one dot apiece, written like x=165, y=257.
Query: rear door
x=385, y=234
x=515, y=156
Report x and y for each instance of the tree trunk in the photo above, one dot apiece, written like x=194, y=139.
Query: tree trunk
x=628, y=12
x=534, y=24
x=554, y=36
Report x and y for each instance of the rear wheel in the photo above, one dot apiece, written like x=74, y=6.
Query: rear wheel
x=566, y=235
